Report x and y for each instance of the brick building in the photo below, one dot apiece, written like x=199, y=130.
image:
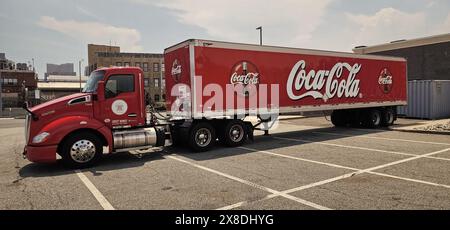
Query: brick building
x=17, y=86
x=152, y=65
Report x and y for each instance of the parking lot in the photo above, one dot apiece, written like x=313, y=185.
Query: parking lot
x=304, y=164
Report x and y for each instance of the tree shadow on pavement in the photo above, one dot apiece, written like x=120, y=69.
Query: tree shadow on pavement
x=267, y=143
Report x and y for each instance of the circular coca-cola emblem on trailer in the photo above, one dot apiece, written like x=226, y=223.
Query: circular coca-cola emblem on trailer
x=176, y=70
x=385, y=80
x=245, y=73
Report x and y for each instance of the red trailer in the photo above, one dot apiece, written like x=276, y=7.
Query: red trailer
x=211, y=87
x=308, y=80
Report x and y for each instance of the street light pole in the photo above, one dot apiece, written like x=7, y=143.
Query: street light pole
x=79, y=71
x=260, y=35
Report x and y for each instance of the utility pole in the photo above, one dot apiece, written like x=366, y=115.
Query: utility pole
x=260, y=35
x=79, y=71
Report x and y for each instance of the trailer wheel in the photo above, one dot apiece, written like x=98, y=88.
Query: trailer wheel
x=81, y=150
x=202, y=137
x=234, y=133
x=388, y=117
x=372, y=118
x=338, y=118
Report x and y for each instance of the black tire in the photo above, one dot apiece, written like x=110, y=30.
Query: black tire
x=203, y=143
x=234, y=133
x=81, y=150
x=338, y=118
x=388, y=117
x=372, y=118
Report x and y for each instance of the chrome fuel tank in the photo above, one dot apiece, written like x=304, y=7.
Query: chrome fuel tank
x=145, y=137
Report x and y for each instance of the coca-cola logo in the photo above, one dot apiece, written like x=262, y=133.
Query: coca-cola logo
x=385, y=81
x=176, y=70
x=339, y=81
x=245, y=73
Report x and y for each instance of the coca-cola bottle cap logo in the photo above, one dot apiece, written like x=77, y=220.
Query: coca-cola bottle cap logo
x=245, y=73
x=385, y=80
x=176, y=70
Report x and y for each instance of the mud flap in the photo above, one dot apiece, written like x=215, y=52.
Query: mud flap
x=250, y=129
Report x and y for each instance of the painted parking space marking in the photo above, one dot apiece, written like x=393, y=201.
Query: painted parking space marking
x=361, y=148
x=341, y=177
x=269, y=190
x=95, y=192
x=383, y=138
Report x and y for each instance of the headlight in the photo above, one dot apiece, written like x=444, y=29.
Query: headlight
x=40, y=138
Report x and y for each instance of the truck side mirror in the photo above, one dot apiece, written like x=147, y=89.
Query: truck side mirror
x=101, y=90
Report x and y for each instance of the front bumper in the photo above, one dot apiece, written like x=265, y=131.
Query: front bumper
x=41, y=154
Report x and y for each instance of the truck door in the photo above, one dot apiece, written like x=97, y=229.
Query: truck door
x=122, y=105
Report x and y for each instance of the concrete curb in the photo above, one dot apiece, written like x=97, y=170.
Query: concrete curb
x=420, y=131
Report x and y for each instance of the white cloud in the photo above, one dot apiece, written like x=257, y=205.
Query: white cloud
x=286, y=22
x=445, y=27
x=88, y=13
x=386, y=25
x=94, y=32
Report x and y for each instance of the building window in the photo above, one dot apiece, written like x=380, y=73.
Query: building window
x=156, y=81
x=137, y=64
x=126, y=64
x=9, y=81
x=145, y=66
x=164, y=97
x=155, y=67
x=118, y=63
x=156, y=97
x=163, y=83
x=162, y=67
x=146, y=82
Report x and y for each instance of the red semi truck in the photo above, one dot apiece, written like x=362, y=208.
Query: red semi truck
x=211, y=87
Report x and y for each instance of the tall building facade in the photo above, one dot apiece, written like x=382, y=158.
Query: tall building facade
x=62, y=70
x=152, y=65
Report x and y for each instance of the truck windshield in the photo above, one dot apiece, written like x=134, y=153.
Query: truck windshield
x=91, y=84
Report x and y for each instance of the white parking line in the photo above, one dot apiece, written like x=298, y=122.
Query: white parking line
x=360, y=148
x=344, y=146
x=341, y=177
x=269, y=190
x=97, y=194
x=384, y=138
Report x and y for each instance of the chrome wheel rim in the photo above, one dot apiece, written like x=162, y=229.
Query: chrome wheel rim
x=203, y=137
x=82, y=151
x=236, y=133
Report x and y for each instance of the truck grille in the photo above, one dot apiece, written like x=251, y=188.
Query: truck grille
x=27, y=128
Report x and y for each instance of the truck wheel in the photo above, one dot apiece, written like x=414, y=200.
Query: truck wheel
x=81, y=150
x=372, y=119
x=338, y=118
x=234, y=133
x=202, y=137
x=388, y=117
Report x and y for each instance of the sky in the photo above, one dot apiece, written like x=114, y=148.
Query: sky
x=58, y=31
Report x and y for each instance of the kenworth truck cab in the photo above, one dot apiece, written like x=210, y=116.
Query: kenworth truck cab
x=109, y=112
